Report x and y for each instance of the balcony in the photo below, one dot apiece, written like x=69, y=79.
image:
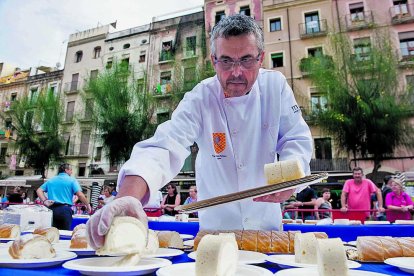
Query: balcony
x=402, y=14
x=359, y=21
x=313, y=29
x=323, y=165
x=71, y=87
x=407, y=57
x=166, y=57
x=77, y=151
x=163, y=90
x=305, y=65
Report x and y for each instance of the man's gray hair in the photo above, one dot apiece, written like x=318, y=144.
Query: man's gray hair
x=236, y=25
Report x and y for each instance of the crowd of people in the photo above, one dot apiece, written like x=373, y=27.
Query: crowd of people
x=359, y=195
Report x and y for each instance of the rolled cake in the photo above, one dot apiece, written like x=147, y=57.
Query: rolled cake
x=9, y=231
x=283, y=171
x=51, y=233
x=32, y=247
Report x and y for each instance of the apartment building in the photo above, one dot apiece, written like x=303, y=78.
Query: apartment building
x=84, y=60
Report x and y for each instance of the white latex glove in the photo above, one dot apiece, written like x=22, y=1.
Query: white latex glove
x=98, y=225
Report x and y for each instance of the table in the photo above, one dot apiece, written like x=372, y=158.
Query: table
x=348, y=233
x=351, y=232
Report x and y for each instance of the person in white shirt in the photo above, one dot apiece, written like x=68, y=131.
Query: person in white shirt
x=241, y=119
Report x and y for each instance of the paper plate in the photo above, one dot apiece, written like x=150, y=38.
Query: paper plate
x=188, y=269
x=312, y=271
x=351, y=243
x=165, y=253
x=245, y=257
x=189, y=243
x=288, y=261
x=7, y=261
x=404, y=263
x=65, y=233
x=104, y=266
x=65, y=245
x=186, y=236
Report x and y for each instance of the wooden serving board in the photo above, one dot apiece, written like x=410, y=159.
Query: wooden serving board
x=251, y=193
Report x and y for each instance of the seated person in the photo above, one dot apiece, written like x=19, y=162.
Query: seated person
x=323, y=203
x=398, y=202
x=192, y=198
x=171, y=200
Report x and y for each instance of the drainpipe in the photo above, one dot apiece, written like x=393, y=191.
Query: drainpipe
x=337, y=16
x=290, y=50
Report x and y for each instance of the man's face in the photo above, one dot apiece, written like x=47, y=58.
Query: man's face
x=238, y=80
x=357, y=176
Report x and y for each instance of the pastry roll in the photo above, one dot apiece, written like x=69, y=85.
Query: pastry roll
x=51, y=233
x=9, y=231
x=32, y=247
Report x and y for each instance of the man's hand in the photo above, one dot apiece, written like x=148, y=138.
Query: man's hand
x=381, y=210
x=48, y=202
x=344, y=209
x=275, y=197
x=98, y=225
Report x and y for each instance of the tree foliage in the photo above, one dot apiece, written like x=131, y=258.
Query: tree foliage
x=36, y=121
x=122, y=112
x=367, y=109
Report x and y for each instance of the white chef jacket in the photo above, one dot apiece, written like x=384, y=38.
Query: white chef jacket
x=249, y=131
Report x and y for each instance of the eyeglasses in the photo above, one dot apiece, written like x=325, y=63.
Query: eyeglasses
x=228, y=64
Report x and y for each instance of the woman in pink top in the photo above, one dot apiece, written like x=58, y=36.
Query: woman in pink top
x=398, y=202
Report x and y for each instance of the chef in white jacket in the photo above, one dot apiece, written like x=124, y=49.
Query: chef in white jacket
x=241, y=119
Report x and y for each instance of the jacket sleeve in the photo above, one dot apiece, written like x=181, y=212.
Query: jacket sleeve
x=159, y=159
x=294, y=139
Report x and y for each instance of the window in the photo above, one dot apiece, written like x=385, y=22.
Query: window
x=140, y=85
x=400, y=7
x=410, y=86
x=190, y=46
x=88, y=109
x=3, y=150
x=97, y=52
x=94, y=74
x=111, y=48
x=78, y=56
x=162, y=117
x=362, y=48
x=219, y=15
x=275, y=24
x=245, y=10
x=277, y=60
x=142, y=56
x=70, y=108
x=165, y=77
x=323, y=148
x=315, y=52
x=189, y=78
x=318, y=102
x=53, y=89
x=406, y=44
x=125, y=62
x=166, y=51
x=357, y=11
x=82, y=169
x=34, y=92
x=312, y=23
x=98, y=155
x=69, y=145
x=126, y=46
x=13, y=97
x=109, y=63
x=84, y=146
x=74, y=82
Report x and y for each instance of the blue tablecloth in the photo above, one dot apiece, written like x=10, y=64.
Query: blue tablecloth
x=348, y=232
x=351, y=232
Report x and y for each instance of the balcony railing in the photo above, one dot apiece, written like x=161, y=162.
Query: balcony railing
x=71, y=87
x=402, y=13
x=77, y=150
x=305, y=65
x=166, y=56
x=360, y=20
x=336, y=164
x=313, y=28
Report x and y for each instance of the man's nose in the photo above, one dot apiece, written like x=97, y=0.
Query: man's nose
x=236, y=70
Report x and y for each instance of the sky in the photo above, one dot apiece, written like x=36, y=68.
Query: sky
x=35, y=32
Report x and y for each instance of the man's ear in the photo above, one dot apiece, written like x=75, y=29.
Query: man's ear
x=261, y=57
x=213, y=61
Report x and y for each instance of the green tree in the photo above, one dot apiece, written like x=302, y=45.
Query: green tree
x=122, y=112
x=36, y=121
x=367, y=110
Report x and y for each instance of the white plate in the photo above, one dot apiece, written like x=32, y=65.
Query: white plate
x=188, y=269
x=352, y=243
x=65, y=233
x=404, y=263
x=189, y=243
x=245, y=257
x=103, y=266
x=5, y=240
x=7, y=261
x=312, y=271
x=65, y=245
x=186, y=236
x=165, y=253
x=288, y=261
